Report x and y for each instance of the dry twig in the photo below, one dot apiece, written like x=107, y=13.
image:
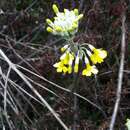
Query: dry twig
x=120, y=75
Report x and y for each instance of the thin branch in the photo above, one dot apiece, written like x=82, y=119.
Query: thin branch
x=60, y=87
x=33, y=89
x=120, y=75
x=5, y=89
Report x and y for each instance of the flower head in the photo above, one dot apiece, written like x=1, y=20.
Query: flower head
x=71, y=57
x=65, y=23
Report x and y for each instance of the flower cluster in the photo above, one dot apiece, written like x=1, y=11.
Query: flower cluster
x=70, y=60
x=65, y=23
x=75, y=58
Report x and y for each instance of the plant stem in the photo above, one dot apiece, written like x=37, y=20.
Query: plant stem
x=75, y=101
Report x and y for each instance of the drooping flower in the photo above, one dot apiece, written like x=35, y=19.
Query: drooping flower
x=65, y=63
x=65, y=58
x=71, y=58
x=98, y=55
x=65, y=23
x=60, y=67
x=89, y=70
x=76, y=66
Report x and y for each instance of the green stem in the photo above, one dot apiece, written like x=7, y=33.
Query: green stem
x=75, y=101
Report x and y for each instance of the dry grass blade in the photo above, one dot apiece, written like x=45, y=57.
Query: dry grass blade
x=13, y=67
x=120, y=75
x=62, y=88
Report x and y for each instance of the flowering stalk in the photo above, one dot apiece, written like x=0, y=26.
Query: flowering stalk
x=75, y=57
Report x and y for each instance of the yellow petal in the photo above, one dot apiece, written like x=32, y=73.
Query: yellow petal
x=86, y=72
x=59, y=70
x=69, y=69
x=95, y=59
x=57, y=64
x=65, y=58
x=65, y=69
x=76, y=68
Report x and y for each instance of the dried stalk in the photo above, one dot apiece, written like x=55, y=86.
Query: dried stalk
x=120, y=75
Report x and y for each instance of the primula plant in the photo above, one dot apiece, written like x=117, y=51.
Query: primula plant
x=76, y=57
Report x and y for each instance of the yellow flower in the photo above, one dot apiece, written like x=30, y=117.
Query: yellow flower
x=89, y=70
x=65, y=58
x=98, y=56
x=65, y=23
x=60, y=67
x=65, y=64
x=71, y=58
x=76, y=66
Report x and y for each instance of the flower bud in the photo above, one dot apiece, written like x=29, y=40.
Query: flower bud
x=49, y=29
x=48, y=21
x=76, y=11
x=55, y=8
